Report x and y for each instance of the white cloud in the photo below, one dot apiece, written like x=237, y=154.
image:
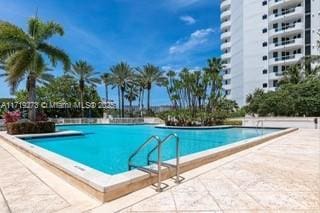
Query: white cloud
x=184, y=3
x=195, y=40
x=189, y=20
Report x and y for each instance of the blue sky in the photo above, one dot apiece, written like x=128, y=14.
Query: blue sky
x=171, y=34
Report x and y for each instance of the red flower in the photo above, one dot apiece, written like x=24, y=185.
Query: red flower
x=10, y=117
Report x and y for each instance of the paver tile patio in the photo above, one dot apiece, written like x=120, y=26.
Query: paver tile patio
x=280, y=175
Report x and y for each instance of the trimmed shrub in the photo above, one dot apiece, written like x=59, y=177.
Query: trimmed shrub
x=28, y=127
x=45, y=126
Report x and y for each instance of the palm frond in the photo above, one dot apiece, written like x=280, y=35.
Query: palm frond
x=13, y=34
x=50, y=29
x=55, y=54
x=18, y=64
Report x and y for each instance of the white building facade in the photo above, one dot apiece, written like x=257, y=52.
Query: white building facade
x=261, y=38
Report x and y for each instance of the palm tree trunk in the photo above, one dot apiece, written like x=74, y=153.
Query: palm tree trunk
x=139, y=101
x=119, y=101
x=81, y=85
x=122, y=101
x=148, y=102
x=142, y=102
x=130, y=106
x=107, y=95
x=31, y=87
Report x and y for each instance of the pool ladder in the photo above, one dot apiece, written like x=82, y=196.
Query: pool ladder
x=257, y=125
x=159, y=161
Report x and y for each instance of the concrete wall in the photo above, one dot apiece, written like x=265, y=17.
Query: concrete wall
x=296, y=122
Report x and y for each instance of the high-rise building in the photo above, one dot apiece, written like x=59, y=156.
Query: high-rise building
x=261, y=38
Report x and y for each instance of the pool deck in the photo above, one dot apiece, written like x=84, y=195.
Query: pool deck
x=280, y=175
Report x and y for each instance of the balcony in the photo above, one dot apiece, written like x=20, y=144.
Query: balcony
x=275, y=75
x=226, y=66
x=290, y=13
x=225, y=24
x=226, y=45
x=277, y=3
x=225, y=14
x=225, y=35
x=271, y=89
x=226, y=86
x=225, y=4
x=298, y=42
x=225, y=56
x=293, y=28
x=226, y=76
x=290, y=59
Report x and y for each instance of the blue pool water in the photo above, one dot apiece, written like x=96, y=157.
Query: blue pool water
x=108, y=147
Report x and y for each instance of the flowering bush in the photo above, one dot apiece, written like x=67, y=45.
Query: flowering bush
x=10, y=117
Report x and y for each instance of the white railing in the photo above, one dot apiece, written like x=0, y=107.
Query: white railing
x=126, y=121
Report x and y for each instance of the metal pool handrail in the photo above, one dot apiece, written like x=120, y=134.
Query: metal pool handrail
x=158, y=172
x=177, y=166
x=153, y=137
x=257, y=126
x=159, y=162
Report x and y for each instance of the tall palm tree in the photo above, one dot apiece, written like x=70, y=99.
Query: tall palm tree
x=121, y=74
x=24, y=53
x=131, y=94
x=107, y=81
x=150, y=74
x=84, y=74
x=141, y=86
x=213, y=69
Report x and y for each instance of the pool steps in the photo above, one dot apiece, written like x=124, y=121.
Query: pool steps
x=158, y=162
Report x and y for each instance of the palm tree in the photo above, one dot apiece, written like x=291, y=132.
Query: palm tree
x=141, y=87
x=84, y=74
x=121, y=75
x=215, y=65
x=107, y=80
x=24, y=53
x=131, y=94
x=150, y=74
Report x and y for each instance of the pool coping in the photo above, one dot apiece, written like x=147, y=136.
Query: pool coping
x=107, y=187
x=49, y=135
x=194, y=127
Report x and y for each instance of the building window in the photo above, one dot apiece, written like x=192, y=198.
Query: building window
x=265, y=85
x=264, y=44
x=275, y=54
x=265, y=71
x=264, y=3
x=265, y=16
x=228, y=92
x=275, y=83
x=275, y=69
x=264, y=30
x=264, y=58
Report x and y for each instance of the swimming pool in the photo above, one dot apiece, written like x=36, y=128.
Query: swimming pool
x=107, y=147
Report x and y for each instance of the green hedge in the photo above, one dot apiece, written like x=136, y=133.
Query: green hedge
x=28, y=127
